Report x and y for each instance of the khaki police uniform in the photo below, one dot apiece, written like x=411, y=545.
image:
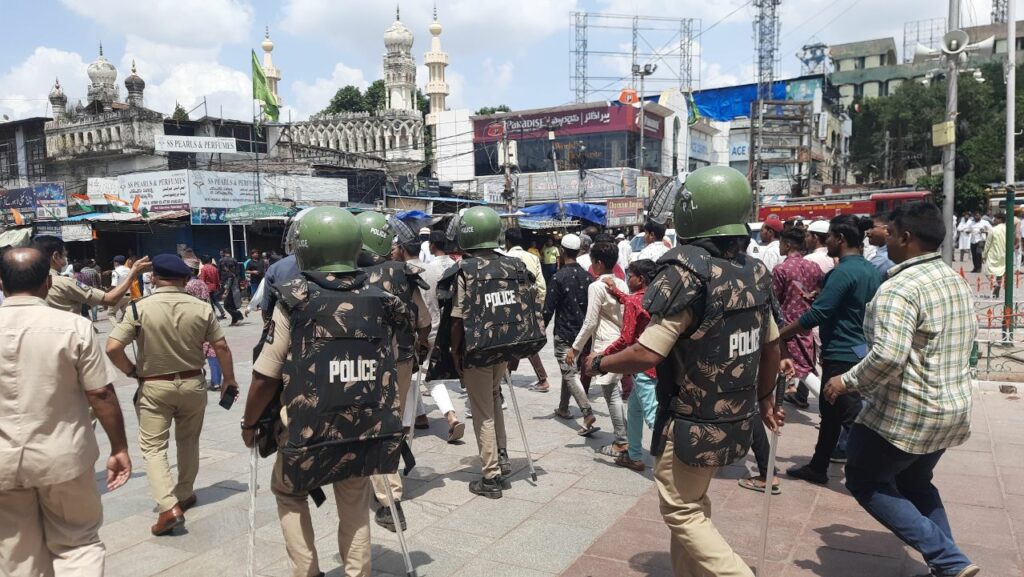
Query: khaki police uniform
x=172, y=326
x=683, y=489
x=50, y=510
x=69, y=295
x=351, y=496
x=405, y=371
x=483, y=385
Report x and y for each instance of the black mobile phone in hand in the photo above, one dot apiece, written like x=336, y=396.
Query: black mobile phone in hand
x=229, y=397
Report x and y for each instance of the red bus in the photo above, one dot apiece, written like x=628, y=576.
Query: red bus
x=866, y=203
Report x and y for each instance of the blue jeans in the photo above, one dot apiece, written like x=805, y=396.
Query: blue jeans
x=215, y=374
x=643, y=406
x=896, y=489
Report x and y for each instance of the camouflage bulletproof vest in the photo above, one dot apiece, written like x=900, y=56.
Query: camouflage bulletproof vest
x=397, y=278
x=714, y=366
x=340, y=381
x=502, y=319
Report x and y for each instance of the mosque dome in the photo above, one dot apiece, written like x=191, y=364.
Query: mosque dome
x=397, y=36
x=101, y=71
x=435, y=28
x=57, y=94
x=134, y=83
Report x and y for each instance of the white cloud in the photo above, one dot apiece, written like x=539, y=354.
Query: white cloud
x=313, y=97
x=155, y=60
x=497, y=77
x=174, y=22
x=24, y=88
x=470, y=26
x=224, y=89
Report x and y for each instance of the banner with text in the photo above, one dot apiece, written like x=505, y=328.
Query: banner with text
x=155, y=191
x=304, y=190
x=211, y=194
x=202, y=144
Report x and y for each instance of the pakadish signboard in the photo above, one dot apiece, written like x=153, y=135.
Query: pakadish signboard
x=567, y=123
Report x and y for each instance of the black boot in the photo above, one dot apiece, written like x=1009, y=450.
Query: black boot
x=384, y=518
x=504, y=462
x=490, y=488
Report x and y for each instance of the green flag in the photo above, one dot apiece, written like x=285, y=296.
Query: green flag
x=261, y=90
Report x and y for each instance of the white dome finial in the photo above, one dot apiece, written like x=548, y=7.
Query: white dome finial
x=268, y=44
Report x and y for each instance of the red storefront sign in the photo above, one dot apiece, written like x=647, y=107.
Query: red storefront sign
x=568, y=123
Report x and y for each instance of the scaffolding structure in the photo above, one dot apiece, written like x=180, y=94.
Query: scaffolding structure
x=767, y=28
x=925, y=32
x=1000, y=11
x=669, y=42
x=782, y=132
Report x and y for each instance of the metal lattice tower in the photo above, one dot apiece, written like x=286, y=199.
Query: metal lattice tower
x=999, y=11
x=766, y=44
x=580, y=33
x=925, y=32
x=689, y=76
x=669, y=42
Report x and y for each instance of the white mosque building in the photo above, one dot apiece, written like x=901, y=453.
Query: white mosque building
x=395, y=132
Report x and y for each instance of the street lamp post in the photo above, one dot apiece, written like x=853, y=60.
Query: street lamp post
x=643, y=73
x=953, y=53
x=949, y=152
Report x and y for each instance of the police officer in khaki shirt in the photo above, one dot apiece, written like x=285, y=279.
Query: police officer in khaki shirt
x=53, y=371
x=171, y=326
x=68, y=294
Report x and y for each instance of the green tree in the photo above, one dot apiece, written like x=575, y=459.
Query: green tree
x=179, y=113
x=493, y=110
x=346, y=99
x=375, y=96
x=967, y=195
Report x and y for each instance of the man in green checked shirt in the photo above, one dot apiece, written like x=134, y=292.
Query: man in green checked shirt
x=916, y=385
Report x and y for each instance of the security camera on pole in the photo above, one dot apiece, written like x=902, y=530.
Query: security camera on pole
x=953, y=54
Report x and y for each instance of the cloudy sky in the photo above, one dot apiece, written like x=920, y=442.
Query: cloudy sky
x=514, y=53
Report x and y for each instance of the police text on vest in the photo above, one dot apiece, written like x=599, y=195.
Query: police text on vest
x=744, y=343
x=499, y=299
x=346, y=371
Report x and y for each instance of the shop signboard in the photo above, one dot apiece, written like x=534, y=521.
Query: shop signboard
x=304, y=190
x=50, y=201
x=43, y=201
x=201, y=144
x=212, y=194
x=567, y=123
x=155, y=191
x=624, y=211
x=101, y=190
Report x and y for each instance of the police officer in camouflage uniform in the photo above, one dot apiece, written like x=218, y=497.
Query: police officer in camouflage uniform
x=332, y=345
x=480, y=312
x=402, y=280
x=715, y=344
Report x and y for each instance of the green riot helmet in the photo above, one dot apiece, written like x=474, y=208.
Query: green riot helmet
x=326, y=239
x=293, y=226
x=377, y=234
x=714, y=201
x=478, y=227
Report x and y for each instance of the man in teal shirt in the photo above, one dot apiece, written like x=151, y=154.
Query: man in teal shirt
x=838, y=312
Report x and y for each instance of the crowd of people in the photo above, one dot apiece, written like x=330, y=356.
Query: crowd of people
x=688, y=340
x=983, y=236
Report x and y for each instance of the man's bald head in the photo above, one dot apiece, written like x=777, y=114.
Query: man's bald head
x=25, y=271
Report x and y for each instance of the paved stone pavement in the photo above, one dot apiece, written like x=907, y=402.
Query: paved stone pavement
x=584, y=516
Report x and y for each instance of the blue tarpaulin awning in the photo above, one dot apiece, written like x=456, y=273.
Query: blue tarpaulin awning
x=593, y=212
x=732, y=101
